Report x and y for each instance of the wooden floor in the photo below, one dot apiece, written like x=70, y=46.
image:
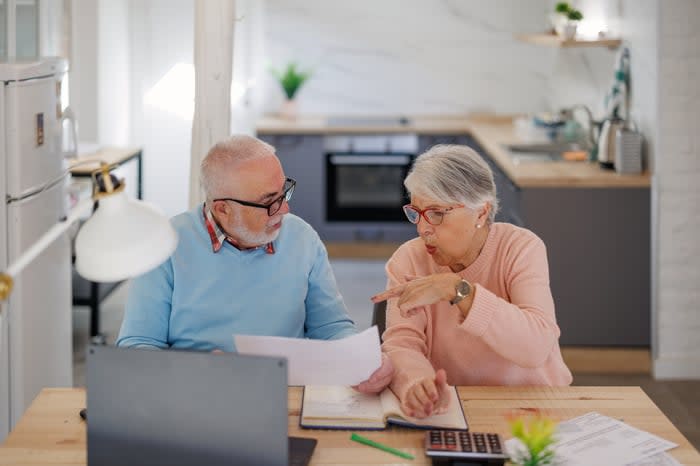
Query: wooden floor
x=600, y=360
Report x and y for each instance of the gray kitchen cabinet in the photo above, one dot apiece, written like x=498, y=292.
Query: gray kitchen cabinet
x=599, y=251
x=302, y=157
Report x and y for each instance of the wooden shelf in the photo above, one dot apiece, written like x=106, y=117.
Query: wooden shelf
x=553, y=40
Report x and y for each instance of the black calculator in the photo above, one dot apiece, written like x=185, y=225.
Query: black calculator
x=462, y=447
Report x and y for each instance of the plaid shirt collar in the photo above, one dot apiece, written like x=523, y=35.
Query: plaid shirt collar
x=218, y=236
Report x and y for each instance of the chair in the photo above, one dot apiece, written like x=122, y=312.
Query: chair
x=379, y=317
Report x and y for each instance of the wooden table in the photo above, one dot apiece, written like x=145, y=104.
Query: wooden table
x=51, y=432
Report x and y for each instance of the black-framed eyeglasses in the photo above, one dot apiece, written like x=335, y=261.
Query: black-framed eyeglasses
x=274, y=206
x=432, y=215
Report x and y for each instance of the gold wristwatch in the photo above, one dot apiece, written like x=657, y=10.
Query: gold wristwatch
x=463, y=289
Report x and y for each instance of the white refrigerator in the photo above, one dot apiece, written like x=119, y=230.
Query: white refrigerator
x=35, y=323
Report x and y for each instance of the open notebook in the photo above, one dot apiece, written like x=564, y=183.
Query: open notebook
x=336, y=407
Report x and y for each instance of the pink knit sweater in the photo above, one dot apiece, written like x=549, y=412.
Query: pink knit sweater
x=510, y=336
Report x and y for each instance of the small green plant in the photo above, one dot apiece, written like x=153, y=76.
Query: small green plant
x=574, y=15
x=562, y=7
x=537, y=435
x=571, y=13
x=291, y=79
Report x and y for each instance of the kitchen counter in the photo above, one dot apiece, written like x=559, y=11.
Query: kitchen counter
x=490, y=131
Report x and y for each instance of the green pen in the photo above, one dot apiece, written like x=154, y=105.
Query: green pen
x=372, y=443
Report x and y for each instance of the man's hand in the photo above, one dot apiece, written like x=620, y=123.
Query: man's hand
x=379, y=379
x=427, y=396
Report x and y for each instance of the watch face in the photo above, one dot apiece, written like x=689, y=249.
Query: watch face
x=462, y=291
x=464, y=288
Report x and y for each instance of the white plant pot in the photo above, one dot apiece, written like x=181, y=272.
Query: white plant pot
x=289, y=109
x=558, y=21
x=570, y=30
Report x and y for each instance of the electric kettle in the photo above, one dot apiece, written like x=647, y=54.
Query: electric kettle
x=607, y=141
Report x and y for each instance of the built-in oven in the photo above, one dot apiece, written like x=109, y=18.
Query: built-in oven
x=366, y=186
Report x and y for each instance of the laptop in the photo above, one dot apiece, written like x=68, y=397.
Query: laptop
x=147, y=407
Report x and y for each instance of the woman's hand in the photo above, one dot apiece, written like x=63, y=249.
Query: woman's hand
x=427, y=396
x=418, y=292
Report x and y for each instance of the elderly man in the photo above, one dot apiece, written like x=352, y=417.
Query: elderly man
x=243, y=264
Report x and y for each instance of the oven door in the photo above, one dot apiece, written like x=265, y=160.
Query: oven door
x=366, y=187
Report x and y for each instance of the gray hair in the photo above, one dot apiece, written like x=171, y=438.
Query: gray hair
x=453, y=174
x=216, y=167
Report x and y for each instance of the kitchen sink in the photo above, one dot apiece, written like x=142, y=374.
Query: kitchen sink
x=541, y=152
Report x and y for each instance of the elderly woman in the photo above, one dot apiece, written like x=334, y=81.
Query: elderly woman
x=469, y=300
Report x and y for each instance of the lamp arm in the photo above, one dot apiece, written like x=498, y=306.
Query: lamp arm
x=82, y=208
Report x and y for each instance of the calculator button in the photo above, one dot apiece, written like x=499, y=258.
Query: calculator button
x=469, y=445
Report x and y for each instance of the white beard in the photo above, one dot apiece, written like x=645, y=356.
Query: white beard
x=245, y=236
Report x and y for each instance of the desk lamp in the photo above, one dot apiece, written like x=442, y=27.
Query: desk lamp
x=122, y=239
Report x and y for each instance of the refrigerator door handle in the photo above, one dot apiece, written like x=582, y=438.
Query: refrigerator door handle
x=34, y=190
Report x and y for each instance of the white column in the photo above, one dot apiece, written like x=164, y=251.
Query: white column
x=213, y=55
x=676, y=194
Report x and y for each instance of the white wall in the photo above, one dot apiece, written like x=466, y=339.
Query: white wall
x=113, y=65
x=677, y=193
x=83, y=74
x=134, y=83
x=248, y=65
x=162, y=93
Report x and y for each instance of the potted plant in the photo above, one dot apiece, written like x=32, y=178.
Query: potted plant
x=536, y=437
x=565, y=20
x=291, y=79
x=558, y=17
x=573, y=17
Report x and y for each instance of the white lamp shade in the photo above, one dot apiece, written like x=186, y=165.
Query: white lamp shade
x=123, y=238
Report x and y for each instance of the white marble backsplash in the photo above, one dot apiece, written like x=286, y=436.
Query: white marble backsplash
x=427, y=57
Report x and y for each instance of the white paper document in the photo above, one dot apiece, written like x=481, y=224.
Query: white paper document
x=660, y=459
x=597, y=439
x=347, y=361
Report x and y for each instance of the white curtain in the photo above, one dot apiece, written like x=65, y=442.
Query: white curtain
x=213, y=56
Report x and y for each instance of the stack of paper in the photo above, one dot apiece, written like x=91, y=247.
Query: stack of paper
x=597, y=439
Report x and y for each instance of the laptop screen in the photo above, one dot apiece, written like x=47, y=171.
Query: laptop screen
x=180, y=408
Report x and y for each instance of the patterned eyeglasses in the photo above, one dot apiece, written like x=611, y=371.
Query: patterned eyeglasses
x=432, y=215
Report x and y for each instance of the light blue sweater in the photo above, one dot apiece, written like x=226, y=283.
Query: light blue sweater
x=198, y=299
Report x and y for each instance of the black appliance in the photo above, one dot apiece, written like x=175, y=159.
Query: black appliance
x=366, y=187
